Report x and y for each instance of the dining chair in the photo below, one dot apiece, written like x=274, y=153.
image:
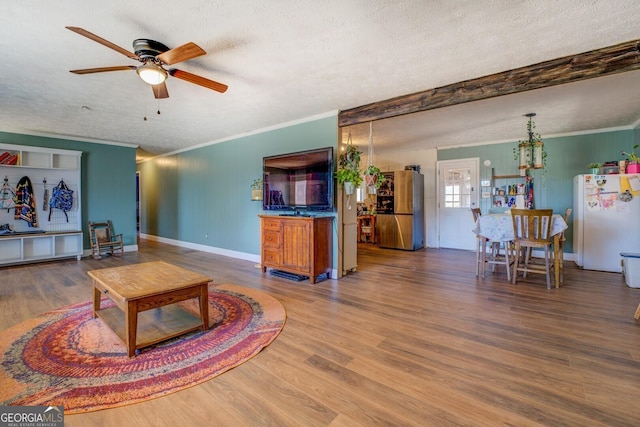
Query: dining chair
x=495, y=246
x=532, y=229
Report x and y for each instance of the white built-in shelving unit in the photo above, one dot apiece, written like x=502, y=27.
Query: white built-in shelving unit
x=56, y=235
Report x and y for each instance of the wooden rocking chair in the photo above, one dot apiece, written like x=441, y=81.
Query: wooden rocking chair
x=104, y=240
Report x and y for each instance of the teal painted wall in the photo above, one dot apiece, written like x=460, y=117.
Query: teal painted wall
x=206, y=191
x=567, y=157
x=108, y=189
x=203, y=196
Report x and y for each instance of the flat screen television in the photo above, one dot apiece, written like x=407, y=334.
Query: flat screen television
x=301, y=181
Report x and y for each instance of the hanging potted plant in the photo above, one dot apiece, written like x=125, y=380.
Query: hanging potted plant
x=634, y=160
x=373, y=177
x=348, y=173
x=350, y=179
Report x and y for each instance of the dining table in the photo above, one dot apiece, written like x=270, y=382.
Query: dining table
x=499, y=227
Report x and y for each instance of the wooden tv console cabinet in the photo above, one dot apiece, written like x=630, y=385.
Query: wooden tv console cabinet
x=297, y=244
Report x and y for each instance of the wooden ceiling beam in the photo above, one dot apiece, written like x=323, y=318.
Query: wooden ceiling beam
x=614, y=59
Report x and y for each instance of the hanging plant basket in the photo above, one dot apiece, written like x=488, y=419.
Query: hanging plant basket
x=348, y=188
x=373, y=177
x=348, y=173
x=371, y=180
x=349, y=176
x=348, y=167
x=349, y=158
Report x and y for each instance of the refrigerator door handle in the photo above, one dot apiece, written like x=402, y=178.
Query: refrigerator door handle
x=399, y=228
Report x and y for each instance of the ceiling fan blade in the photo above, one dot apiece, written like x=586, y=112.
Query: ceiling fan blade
x=160, y=91
x=103, y=69
x=104, y=42
x=192, y=78
x=181, y=53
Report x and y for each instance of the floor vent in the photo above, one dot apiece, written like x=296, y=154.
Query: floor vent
x=290, y=276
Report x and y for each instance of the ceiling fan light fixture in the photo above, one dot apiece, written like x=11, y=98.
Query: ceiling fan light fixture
x=151, y=73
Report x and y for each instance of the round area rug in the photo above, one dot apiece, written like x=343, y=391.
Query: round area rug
x=68, y=358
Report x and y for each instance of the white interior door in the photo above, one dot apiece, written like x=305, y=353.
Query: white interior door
x=457, y=193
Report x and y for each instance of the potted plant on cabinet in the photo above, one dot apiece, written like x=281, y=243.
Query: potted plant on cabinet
x=348, y=173
x=373, y=177
x=634, y=160
x=594, y=168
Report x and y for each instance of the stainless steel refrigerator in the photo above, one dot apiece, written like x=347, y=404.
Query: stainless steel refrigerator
x=400, y=211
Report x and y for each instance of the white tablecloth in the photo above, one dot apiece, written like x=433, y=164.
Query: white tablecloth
x=499, y=227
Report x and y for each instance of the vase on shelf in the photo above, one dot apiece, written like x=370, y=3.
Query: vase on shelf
x=633, y=168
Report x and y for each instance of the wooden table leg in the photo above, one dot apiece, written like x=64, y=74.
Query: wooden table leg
x=484, y=254
x=97, y=295
x=204, y=306
x=131, y=322
x=637, y=315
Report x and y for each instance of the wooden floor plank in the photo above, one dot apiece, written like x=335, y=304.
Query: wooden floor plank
x=409, y=338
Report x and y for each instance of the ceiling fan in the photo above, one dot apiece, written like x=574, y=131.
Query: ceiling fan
x=154, y=56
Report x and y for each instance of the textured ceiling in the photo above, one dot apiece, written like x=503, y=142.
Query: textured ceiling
x=285, y=60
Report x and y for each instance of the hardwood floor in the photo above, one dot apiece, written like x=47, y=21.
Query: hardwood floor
x=410, y=338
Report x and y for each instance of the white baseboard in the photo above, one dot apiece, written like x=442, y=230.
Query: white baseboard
x=204, y=248
x=210, y=249
x=127, y=248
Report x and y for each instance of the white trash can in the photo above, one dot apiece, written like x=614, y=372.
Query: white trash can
x=631, y=268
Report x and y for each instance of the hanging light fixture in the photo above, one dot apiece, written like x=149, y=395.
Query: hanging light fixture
x=531, y=153
x=152, y=73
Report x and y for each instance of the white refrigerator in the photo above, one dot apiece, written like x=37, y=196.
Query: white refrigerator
x=606, y=217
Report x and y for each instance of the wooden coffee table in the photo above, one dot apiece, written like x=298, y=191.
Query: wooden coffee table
x=152, y=288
